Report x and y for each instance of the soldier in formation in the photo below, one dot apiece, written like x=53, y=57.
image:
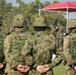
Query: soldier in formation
x=13, y=45
x=42, y=47
x=59, y=39
x=59, y=34
x=32, y=54
x=69, y=50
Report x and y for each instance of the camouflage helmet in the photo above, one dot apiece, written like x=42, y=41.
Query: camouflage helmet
x=39, y=21
x=72, y=23
x=18, y=21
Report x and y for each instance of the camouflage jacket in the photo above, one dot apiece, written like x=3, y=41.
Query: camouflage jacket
x=13, y=45
x=66, y=49
x=59, y=31
x=42, y=47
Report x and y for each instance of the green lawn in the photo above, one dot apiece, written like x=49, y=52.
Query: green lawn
x=59, y=70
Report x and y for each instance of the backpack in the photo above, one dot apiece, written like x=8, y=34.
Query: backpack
x=73, y=47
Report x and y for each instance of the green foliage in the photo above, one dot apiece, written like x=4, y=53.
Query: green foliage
x=56, y=1
x=30, y=11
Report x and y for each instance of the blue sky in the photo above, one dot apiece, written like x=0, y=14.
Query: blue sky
x=71, y=15
x=27, y=1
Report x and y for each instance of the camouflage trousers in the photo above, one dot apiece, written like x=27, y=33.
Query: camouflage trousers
x=70, y=71
x=59, y=41
x=35, y=72
x=15, y=73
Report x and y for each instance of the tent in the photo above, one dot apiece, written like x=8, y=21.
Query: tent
x=62, y=6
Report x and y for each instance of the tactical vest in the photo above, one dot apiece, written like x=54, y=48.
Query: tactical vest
x=17, y=44
x=1, y=47
x=73, y=47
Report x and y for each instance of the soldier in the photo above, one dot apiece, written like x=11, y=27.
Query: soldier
x=2, y=64
x=69, y=48
x=13, y=45
x=59, y=33
x=59, y=39
x=42, y=47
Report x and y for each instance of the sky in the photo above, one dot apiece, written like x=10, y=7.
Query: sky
x=27, y=1
x=71, y=15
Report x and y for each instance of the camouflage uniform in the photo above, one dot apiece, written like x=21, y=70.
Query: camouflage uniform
x=59, y=34
x=13, y=45
x=42, y=47
x=59, y=40
x=69, y=48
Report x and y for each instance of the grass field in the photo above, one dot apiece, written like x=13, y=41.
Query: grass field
x=59, y=70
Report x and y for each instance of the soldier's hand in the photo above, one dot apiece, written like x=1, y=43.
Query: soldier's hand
x=42, y=68
x=1, y=65
x=26, y=68
x=22, y=68
x=75, y=68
